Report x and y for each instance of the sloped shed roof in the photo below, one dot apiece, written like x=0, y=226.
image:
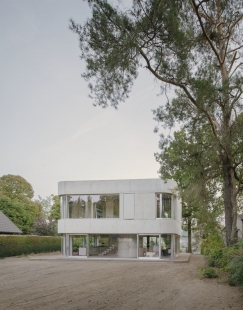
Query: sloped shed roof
x=7, y=226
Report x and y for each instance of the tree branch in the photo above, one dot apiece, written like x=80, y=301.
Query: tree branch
x=233, y=60
x=235, y=22
x=204, y=31
x=180, y=85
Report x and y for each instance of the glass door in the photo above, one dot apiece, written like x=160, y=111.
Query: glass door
x=79, y=245
x=148, y=246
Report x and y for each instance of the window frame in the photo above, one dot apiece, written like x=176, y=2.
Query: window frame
x=161, y=206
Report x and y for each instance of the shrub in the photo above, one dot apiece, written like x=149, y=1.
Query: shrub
x=229, y=259
x=207, y=272
x=214, y=259
x=212, y=244
x=236, y=271
x=18, y=245
x=235, y=266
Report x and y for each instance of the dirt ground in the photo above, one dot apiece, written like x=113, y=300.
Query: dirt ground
x=75, y=284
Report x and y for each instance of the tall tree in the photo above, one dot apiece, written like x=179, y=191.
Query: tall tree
x=16, y=187
x=55, y=212
x=196, y=47
x=46, y=223
x=189, y=159
x=16, y=202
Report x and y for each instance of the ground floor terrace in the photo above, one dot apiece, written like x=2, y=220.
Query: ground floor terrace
x=132, y=246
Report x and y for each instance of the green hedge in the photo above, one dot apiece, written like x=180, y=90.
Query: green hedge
x=19, y=245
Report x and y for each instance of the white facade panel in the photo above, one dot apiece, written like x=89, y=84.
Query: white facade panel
x=116, y=226
x=115, y=186
x=128, y=206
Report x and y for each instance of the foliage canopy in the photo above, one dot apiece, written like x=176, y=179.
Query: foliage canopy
x=193, y=47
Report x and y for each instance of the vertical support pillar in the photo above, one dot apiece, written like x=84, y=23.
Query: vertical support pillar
x=160, y=206
x=70, y=252
x=63, y=245
x=67, y=245
x=172, y=246
x=159, y=246
x=87, y=243
x=137, y=246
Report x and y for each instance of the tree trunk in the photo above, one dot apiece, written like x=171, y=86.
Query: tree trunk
x=230, y=204
x=189, y=229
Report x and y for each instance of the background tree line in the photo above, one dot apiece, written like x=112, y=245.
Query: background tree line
x=31, y=216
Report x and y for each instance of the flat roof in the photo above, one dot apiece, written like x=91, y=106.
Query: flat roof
x=115, y=186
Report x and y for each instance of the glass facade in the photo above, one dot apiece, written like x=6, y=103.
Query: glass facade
x=93, y=206
x=104, y=245
x=79, y=245
x=164, y=205
x=124, y=246
x=86, y=243
x=148, y=246
x=166, y=245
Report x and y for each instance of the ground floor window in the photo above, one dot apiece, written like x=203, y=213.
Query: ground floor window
x=166, y=246
x=79, y=245
x=158, y=246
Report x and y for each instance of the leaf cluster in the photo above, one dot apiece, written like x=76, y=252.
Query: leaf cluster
x=190, y=160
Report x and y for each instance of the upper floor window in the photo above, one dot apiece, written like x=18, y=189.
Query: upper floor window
x=164, y=205
x=93, y=206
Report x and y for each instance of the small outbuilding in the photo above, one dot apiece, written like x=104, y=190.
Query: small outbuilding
x=7, y=226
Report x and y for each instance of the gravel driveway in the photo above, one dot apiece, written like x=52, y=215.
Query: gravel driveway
x=61, y=284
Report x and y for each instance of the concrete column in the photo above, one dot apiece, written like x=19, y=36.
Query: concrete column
x=160, y=246
x=70, y=252
x=172, y=246
x=67, y=245
x=87, y=245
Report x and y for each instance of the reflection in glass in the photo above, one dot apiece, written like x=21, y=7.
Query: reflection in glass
x=163, y=205
x=148, y=246
x=79, y=245
x=165, y=245
x=93, y=206
x=103, y=245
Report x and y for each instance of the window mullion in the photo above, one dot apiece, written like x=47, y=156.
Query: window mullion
x=160, y=205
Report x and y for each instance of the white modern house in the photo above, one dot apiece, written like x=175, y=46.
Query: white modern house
x=120, y=219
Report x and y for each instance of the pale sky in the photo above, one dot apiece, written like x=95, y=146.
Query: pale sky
x=49, y=129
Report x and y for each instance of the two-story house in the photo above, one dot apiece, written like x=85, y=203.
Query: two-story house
x=120, y=219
